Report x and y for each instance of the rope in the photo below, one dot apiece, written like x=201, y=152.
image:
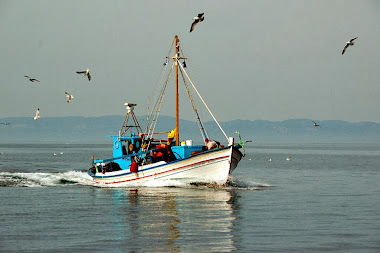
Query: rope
x=212, y=115
x=158, y=81
x=158, y=105
x=202, y=129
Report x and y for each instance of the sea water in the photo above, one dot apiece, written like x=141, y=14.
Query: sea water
x=325, y=199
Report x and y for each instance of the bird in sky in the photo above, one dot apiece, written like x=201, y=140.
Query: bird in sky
x=69, y=97
x=315, y=124
x=85, y=73
x=349, y=43
x=197, y=19
x=32, y=79
x=37, y=114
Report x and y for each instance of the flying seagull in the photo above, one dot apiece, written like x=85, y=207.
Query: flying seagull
x=5, y=123
x=197, y=19
x=32, y=79
x=37, y=114
x=69, y=97
x=349, y=43
x=315, y=124
x=85, y=73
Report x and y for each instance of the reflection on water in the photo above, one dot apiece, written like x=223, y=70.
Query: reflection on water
x=173, y=219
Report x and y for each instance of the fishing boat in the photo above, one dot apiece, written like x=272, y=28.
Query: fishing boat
x=143, y=156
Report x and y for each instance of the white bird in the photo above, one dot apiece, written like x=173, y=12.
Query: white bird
x=85, y=73
x=69, y=97
x=349, y=43
x=5, y=123
x=54, y=153
x=270, y=159
x=37, y=114
x=32, y=79
x=288, y=158
x=197, y=19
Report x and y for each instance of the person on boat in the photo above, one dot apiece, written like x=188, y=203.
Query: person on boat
x=156, y=156
x=134, y=165
x=171, y=135
x=211, y=144
x=167, y=152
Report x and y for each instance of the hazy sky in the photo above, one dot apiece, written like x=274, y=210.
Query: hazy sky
x=270, y=60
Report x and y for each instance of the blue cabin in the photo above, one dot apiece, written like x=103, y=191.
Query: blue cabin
x=124, y=146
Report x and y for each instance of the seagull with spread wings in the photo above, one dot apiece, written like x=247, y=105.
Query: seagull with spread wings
x=32, y=79
x=349, y=43
x=85, y=73
x=197, y=19
x=315, y=124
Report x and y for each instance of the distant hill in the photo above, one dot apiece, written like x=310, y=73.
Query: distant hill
x=94, y=130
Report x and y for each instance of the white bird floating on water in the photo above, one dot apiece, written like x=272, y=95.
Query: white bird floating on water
x=197, y=19
x=32, y=79
x=349, y=43
x=37, y=114
x=288, y=158
x=69, y=97
x=270, y=159
x=85, y=73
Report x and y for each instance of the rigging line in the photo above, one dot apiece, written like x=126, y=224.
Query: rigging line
x=201, y=128
x=156, y=102
x=159, y=104
x=212, y=115
x=156, y=90
x=159, y=80
x=171, y=48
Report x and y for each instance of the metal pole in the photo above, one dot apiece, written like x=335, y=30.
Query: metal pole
x=176, y=90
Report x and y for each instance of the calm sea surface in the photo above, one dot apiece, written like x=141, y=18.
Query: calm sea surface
x=326, y=199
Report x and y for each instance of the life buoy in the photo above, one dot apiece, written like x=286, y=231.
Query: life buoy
x=131, y=147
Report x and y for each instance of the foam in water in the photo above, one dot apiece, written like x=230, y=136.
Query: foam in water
x=44, y=179
x=82, y=178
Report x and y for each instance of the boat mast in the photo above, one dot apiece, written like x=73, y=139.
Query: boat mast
x=176, y=90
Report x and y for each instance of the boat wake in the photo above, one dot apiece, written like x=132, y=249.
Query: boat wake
x=247, y=184
x=19, y=179
x=8, y=179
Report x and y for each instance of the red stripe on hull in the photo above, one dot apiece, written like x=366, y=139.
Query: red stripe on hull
x=129, y=180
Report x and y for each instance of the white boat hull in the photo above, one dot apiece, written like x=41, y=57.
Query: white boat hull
x=212, y=167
